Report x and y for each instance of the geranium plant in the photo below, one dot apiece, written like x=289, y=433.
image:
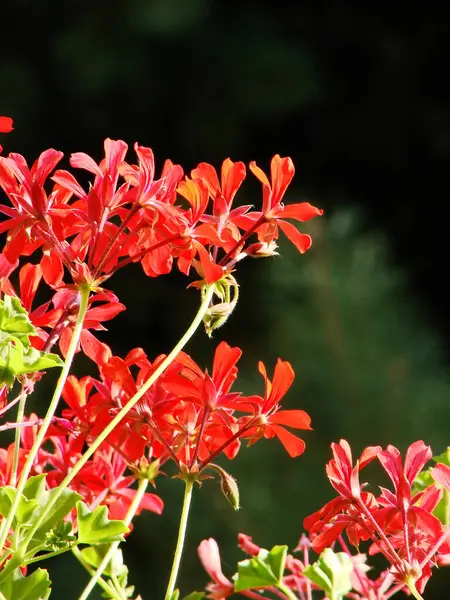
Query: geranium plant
x=74, y=478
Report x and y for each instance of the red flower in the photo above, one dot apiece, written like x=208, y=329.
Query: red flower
x=6, y=126
x=282, y=171
x=209, y=555
x=270, y=418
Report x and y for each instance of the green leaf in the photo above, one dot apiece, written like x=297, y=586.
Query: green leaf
x=94, y=555
x=14, y=319
x=331, y=573
x=264, y=570
x=443, y=458
x=34, y=587
x=195, y=596
x=95, y=527
x=34, y=500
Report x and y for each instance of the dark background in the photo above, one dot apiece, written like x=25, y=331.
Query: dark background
x=357, y=95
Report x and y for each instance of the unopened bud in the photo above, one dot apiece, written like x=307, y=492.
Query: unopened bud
x=228, y=485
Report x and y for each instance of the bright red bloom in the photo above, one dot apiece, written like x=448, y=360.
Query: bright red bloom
x=343, y=476
x=275, y=212
x=271, y=420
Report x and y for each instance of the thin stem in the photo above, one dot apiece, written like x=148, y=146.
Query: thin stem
x=181, y=536
x=389, y=550
x=101, y=582
x=123, y=412
x=142, y=487
x=20, y=412
x=287, y=591
x=410, y=582
x=48, y=555
x=244, y=238
x=84, y=298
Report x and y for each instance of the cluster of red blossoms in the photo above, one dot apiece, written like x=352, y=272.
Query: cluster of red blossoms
x=72, y=238
x=400, y=524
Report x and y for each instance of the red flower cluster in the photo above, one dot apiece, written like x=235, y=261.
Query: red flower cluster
x=80, y=238
x=400, y=524
x=129, y=216
x=187, y=415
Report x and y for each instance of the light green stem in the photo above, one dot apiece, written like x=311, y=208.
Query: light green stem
x=84, y=298
x=20, y=411
x=105, y=586
x=410, y=582
x=122, y=413
x=287, y=591
x=180, y=540
x=142, y=487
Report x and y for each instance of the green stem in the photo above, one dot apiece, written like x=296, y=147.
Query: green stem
x=45, y=556
x=142, y=487
x=101, y=582
x=181, y=536
x=20, y=412
x=412, y=588
x=122, y=413
x=287, y=591
x=84, y=298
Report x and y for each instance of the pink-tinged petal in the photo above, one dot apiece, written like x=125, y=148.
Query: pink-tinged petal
x=301, y=212
x=298, y=419
x=67, y=181
x=6, y=124
x=294, y=445
x=115, y=151
x=208, y=553
x=441, y=475
x=302, y=241
x=391, y=462
x=45, y=164
x=80, y=160
x=368, y=455
x=246, y=544
x=416, y=456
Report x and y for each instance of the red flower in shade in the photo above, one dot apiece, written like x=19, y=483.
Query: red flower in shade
x=104, y=478
x=267, y=410
x=343, y=476
x=274, y=212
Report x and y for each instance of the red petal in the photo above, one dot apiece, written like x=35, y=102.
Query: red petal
x=301, y=241
x=298, y=419
x=294, y=445
x=441, y=475
x=6, y=124
x=301, y=212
